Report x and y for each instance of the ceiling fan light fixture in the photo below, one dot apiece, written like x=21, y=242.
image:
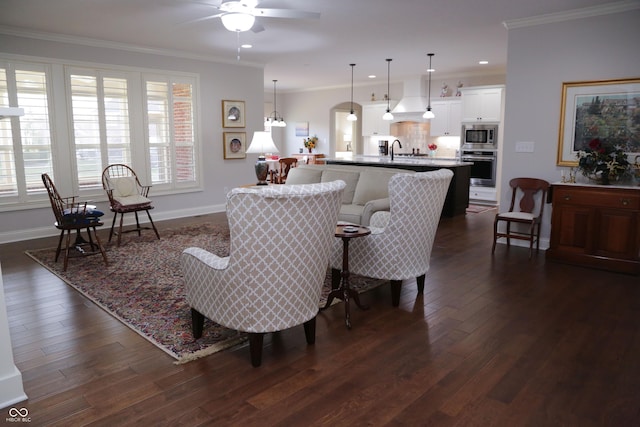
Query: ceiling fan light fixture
x=238, y=21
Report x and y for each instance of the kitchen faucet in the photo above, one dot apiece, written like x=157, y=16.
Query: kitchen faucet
x=399, y=145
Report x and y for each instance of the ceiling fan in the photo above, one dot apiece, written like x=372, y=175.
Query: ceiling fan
x=240, y=15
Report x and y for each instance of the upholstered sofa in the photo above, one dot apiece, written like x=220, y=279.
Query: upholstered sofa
x=367, y=189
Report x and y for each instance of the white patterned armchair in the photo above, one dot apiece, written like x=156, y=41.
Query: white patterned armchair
x=267, y=283
x=401, y=239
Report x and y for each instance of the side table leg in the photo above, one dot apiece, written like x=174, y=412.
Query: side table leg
x=345, y=281
x=345, y=298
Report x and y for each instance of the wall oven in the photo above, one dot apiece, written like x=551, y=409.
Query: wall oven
x=483, y=170
x=479, y=136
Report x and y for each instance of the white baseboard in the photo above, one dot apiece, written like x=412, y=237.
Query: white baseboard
x=544, y=243
x=11, y=389
x=48, y=231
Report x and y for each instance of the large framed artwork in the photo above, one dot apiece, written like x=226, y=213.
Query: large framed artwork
x=235, y=145
x=233, y=114
x=608, y=110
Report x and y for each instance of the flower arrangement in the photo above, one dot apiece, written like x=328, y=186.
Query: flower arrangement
x=603, y=161
x=311, y=142
x=432, y=147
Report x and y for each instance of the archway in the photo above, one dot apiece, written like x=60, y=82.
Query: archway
x=346, y=136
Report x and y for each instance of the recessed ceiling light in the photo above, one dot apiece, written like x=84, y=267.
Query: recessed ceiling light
x=246, y=46
x=483, y=62
x=372, y=76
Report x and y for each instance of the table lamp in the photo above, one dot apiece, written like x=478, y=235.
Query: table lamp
x=261, y=144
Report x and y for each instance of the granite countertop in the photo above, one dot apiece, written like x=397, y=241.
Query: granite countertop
x=402, y=160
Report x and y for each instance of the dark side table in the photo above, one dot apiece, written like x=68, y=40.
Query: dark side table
x=344, y=292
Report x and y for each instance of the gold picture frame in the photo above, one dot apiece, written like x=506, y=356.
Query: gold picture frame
x=598, y=109
x=235, y=145
x=233, y=114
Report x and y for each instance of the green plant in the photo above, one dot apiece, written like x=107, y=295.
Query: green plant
x=603, y=161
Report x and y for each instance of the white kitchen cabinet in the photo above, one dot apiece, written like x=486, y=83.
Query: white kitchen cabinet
x=448, y=118
x=482, y=104
x=483, y=194
x=372, y=123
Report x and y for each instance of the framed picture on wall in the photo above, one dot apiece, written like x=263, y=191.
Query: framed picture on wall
x=607, y=110
x=233, y=114
x=235, y=145
x=302, y=129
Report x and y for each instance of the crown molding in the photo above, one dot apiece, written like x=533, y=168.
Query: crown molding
x=587, y=12
x=85, y=41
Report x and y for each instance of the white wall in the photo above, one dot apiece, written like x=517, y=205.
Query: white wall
x=218, y=81
x=11, y=389
x=540, y=59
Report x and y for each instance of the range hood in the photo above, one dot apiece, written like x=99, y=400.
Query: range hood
x=413, y=103
x=11, y=112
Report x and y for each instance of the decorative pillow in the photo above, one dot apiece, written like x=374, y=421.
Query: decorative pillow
x=350, y=178
x=302, y=175
x=80, y=210
x=372, y=185
x=124, y=186
x=135, y=201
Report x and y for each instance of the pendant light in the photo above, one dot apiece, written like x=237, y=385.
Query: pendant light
x=274, y=120
x=429, y=114
x=352, y=117
x=387, y=115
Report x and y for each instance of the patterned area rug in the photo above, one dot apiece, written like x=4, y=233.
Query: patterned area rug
x=479, y=208
x=142, y=287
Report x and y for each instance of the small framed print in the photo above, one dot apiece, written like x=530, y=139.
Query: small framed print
x=302, y=129
x=235, y=145
x=233, y=114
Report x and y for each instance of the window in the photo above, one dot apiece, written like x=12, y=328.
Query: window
x=100, y=115
x=25, y=142
x=143, y=120
x=170, y=130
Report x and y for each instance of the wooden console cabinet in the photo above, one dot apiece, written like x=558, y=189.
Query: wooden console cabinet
x=596, y=226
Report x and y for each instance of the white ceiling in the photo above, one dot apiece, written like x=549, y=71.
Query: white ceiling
x=303, y=54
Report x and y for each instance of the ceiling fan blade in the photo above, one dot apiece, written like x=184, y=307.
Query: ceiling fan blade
x=212, y=3
x=285, y=13
x=257, y=28
x=204, y=18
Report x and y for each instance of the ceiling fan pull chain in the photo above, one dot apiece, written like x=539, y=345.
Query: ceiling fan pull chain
x=238, y=43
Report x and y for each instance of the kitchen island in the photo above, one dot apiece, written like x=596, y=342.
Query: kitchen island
x=457, y=199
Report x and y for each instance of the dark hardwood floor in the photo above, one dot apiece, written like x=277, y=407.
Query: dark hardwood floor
x=494, y=341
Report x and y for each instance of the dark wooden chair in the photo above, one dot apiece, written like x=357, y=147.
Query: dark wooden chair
x=126, y=195
x=72, y=215
x=284, y=166
x=526, y=212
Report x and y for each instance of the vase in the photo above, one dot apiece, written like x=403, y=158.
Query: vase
x=310, y=150
x=432, y=153
x=600, y=179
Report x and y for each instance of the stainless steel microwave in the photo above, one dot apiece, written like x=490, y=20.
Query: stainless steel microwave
x=476, y=136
